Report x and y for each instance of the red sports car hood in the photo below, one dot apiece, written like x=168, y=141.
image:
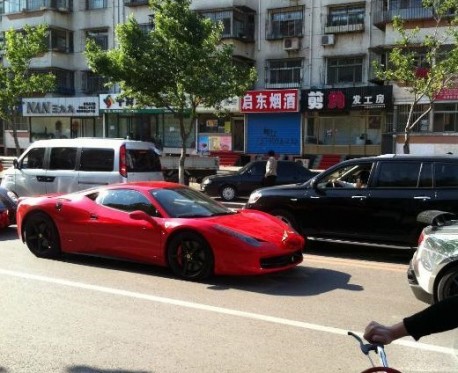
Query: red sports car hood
x=258, y=225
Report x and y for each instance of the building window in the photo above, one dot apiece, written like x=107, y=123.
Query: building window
x=348, y=15
x=61, y=40
x=285, y=23
x=445, y=117
x=236, y=24
x=96, y=4
x=100, y=37
x=344, y=70
x=93, y=83
x=403, y=114
x=284, y=73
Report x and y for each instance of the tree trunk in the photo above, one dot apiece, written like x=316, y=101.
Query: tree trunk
x=16, y=140
x=406, y=146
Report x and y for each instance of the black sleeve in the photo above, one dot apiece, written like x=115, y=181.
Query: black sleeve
x=439, y=317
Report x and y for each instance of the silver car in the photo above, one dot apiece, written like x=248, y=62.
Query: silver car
x=433, y=270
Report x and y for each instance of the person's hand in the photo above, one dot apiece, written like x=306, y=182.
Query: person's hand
x=378, y=333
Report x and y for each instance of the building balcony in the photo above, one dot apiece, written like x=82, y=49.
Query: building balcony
x=336, y=24
x=384, y=15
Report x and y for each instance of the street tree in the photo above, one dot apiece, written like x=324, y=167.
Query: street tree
x=439, y=68
x=178, y=65
x=17, y=80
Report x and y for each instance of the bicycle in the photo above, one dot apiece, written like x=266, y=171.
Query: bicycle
x=380, y=351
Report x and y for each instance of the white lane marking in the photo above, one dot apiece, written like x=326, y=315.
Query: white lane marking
x=220, y=310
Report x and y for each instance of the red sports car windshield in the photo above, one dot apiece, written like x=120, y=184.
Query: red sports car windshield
x=188, y=203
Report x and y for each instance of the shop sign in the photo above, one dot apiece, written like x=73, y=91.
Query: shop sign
x=447, y=94
x=345, y=99
x=114, y=103
x=60, y=107
x=270, y=101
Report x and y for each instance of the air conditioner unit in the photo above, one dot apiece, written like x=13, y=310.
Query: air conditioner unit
x=291, y=44
x=327, y=39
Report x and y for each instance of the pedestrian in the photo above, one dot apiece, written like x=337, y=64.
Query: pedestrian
x=439, y=317
x=271, y=169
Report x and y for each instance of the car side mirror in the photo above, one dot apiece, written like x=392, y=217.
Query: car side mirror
x=15, y=163
x=142, y=215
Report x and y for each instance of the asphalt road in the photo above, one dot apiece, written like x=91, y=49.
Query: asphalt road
x=92, y=315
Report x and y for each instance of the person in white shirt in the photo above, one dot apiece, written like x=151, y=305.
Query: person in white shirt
x=271, y=169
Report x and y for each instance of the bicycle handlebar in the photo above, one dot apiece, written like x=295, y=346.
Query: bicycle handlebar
x=367, y=347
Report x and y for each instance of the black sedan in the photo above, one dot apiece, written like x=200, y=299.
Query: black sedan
x=250, y=177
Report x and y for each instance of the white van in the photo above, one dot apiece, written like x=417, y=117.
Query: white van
x=68, y=165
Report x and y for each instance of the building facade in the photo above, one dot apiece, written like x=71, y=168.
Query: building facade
x=320, y=51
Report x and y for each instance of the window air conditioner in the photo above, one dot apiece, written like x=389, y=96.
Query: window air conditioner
x=291, y=44
x=327, y=39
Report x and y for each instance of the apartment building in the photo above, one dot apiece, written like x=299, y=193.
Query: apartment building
x=316, y=91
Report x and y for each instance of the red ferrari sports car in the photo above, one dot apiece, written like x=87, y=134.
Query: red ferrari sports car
x=160, y=223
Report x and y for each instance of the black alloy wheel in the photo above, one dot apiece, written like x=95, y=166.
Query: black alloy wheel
x=228, y=193
x=447, y=285
x=190, y=257
x=287, y=218
x=41, y=236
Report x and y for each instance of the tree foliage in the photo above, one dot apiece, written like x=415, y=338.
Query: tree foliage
x=439, y=47
x=16, y=79
x=179, y=65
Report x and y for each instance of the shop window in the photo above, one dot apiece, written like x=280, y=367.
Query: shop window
x=99, y=36
x=344, y=70
x=212, y=125
x=285, y=22
x=284, y=73
x=445, y=117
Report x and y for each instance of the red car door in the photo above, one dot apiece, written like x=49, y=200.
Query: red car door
x=113, y=233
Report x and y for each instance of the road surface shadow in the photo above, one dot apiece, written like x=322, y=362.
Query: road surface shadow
x=298, y=281
x=8, y=234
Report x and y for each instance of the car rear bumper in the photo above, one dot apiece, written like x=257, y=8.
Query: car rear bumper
x=417, y=290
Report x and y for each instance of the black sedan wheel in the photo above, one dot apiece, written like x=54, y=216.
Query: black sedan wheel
x=287, y=218
x=448, y=284
x=228, y=193
x=41, y=236
x=190, y=257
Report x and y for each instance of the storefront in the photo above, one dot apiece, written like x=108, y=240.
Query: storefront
x=435, y=133
x=223, y=132
x=273, y=122
x=123, y=119
x=346, y=121
x=62, y=117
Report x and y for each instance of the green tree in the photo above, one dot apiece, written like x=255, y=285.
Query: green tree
x=16, y=79
x=438, y=46
x=179, y=65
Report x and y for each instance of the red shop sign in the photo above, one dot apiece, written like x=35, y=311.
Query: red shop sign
x=270, y=101
x=447, y=94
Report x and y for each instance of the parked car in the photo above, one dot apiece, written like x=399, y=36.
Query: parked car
x=68, y=165
x=8, y=206
x=433, y=270
x=384, y=212
x=250, y=177
x=159, y=223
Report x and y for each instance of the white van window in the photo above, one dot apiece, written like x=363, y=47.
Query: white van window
x=93, y=159
x=143, y=160
x=34, y=158
x=63, y=159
